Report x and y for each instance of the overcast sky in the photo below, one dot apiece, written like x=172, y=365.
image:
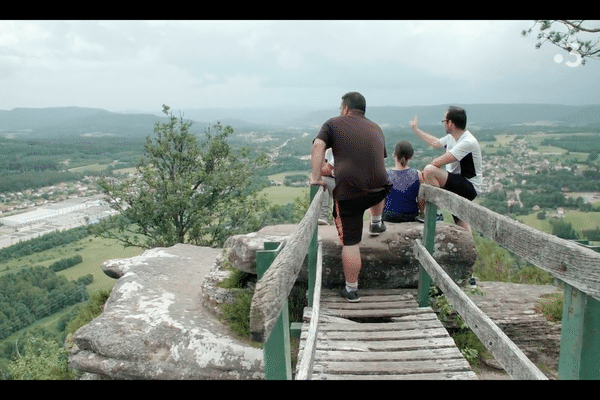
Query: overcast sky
x=140, y=65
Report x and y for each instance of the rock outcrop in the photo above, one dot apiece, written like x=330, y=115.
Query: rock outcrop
x=387, y=260
x=160, y=321
x=154, y=327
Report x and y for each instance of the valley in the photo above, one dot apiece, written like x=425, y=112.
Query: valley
x=536, y=170
x=547, y=153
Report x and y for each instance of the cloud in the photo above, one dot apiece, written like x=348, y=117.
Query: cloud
x=143, y=64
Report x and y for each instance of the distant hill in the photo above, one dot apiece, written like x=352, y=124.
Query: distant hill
x=73, y=121
x=477, y=114
x=76, y=121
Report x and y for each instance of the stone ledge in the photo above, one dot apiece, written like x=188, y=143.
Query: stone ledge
x=154, y=327
x=387, y=260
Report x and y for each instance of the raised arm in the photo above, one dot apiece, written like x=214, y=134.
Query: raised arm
x=426, y=137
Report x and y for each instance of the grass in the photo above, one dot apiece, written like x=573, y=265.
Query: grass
x=94, y=252
x=579, y=220
x=282, y=195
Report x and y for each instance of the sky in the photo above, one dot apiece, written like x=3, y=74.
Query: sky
x=122, y=65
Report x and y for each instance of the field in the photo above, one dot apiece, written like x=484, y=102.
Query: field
x=282, y=195
x=94, y=252
x=578, y=219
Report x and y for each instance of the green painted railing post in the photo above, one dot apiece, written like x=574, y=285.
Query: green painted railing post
x=580, y=336
x=428, y=240
x=312, y=252
x=276, y=350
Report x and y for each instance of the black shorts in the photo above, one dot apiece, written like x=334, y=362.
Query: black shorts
x=348, y=216
x=461, y=186
x=391, y=216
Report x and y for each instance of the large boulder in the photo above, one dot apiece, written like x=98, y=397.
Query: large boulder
x=154, y=327
x=387, y=260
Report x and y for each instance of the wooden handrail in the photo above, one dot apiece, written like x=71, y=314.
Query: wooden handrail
x=571, y=263
x=273, y=289
x=307, y=358
x=510, y=357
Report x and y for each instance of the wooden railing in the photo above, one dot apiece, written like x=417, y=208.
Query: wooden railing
x=277, y=268
x=576, y=266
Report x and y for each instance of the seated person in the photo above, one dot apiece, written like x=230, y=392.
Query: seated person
x=401, y=204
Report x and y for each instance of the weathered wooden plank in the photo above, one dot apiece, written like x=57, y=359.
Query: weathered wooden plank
x=429, y=322
x=371, y=296
x=374, y=304
x=385, y=367
x=574, y=264
x=510, y=357
x=371, y=300
x=452, y=375
x=403, y=355
x=384, y=335
x=388, y=345
x=307, y=356
x=373, y=313
x=415, y=345
x=365, y=293
x=273, y=289
x=365, y=305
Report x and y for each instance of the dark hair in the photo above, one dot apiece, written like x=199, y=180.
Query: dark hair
x=354, y=101
x=458, y=116
x=403, y=152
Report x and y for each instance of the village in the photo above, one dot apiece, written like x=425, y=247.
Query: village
x=31, y=213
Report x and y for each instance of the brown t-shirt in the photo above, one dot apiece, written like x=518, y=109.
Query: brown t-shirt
x=358, y=147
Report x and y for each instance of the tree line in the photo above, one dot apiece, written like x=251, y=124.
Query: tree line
x=41, y=243
x=31, y=164
x=34, y=293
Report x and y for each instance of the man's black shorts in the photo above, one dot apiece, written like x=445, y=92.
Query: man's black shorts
x=461, y=186
x=348, y=216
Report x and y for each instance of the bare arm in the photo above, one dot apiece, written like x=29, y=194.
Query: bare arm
x=427, y=138
x=317, y=155
x=442, y=160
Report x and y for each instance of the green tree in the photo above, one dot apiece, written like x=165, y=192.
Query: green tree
x=185, y=191
x=41, y=360
x=569, y=35
x=563, y=229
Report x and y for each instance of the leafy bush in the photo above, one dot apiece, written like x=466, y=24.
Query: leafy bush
x=41, y=360
x=551, y=305
x=91, y=309
x=237, y=314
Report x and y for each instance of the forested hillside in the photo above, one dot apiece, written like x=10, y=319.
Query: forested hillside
x=34, y=293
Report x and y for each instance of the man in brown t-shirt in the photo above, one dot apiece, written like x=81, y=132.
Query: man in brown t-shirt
x=361, y=181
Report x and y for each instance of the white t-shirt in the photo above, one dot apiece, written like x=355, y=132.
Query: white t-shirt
x=468, y=153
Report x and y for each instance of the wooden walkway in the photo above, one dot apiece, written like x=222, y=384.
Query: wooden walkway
x=385, y=336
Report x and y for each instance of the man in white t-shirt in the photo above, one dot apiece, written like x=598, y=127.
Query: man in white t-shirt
x=462, y=159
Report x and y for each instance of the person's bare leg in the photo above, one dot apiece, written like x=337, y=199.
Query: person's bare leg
x=376, y=226
x=377, y=209
x=437, y=177
x=351, y=263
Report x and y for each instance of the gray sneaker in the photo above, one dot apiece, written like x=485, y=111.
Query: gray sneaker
x=352, y=297
x=376, y=229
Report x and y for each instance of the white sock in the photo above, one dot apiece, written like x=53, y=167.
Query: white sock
x=350, y=287
x=376, y=220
